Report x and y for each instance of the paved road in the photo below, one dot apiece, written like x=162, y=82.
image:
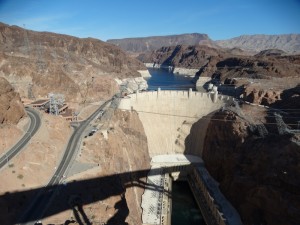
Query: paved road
x=35, y=123
x=38, y=205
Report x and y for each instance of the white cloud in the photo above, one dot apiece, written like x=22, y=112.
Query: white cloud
x=41, y=22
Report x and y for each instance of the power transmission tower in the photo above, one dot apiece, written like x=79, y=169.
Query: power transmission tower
x=30, y=92
x=40, y=63
x=56, y=100
x=26, y=42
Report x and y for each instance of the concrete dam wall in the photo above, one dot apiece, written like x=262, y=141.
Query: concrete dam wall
x=167, y=116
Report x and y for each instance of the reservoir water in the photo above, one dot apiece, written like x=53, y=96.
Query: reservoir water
x=185, y=210
x=168, y=81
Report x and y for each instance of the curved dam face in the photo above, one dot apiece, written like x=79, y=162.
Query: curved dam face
x=167, y=116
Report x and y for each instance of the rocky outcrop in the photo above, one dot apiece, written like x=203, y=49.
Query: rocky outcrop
x=223, y=65
x=271, y=52
x=124, y=151
x=132, y=85
x=11, y=107
x=258, y=67
x=183, y=56
x=261, y=96
x=286, y=100
x=147, y=44
x=258, y=172
x=42, y=62
x=111, y=191
x=289, y=43
x=184, y=59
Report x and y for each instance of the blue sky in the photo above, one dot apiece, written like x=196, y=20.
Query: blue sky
x=107, y=19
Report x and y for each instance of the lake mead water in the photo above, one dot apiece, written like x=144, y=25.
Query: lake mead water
x=168, y=81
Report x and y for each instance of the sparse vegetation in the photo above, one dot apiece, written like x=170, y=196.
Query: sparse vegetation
x=20, y=176
x=11, y=165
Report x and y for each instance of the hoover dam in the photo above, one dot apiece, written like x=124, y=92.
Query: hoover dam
x=167, y=117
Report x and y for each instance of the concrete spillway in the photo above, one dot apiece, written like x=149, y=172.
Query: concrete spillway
x=167, y=116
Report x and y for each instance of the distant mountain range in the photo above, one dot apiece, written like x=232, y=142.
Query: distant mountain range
x=290, y=43
x=146, y=44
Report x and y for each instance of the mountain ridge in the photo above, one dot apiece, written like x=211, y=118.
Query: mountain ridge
x=83, y=69
x=289, y=43
x=146, y=44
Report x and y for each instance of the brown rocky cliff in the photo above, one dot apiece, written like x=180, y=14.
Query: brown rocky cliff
x=11, y=107
x=121, y=158
x=42, y=62
x=260, y=176
x=224, y=64
x=287, y=100
x=258, y=67
x=124, y=151
x=186, y=56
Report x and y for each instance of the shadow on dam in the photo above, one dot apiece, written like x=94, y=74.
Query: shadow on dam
x=73, y=196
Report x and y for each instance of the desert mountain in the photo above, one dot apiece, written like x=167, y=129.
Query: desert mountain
x=145, y=44
x=223, y=63
x=195, y=57
x=289, y=43
x=37, y=63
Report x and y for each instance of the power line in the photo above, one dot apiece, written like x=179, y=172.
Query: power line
x=196, y=117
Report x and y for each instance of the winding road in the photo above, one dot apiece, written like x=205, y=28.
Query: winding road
x=39, y=204
x=35, y=123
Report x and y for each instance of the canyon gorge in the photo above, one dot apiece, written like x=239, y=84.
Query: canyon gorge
x=249, y=143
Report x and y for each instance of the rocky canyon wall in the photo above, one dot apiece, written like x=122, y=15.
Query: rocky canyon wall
x=83, y=69
x=11, y=107
x=259, y=174
x=111, y=191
